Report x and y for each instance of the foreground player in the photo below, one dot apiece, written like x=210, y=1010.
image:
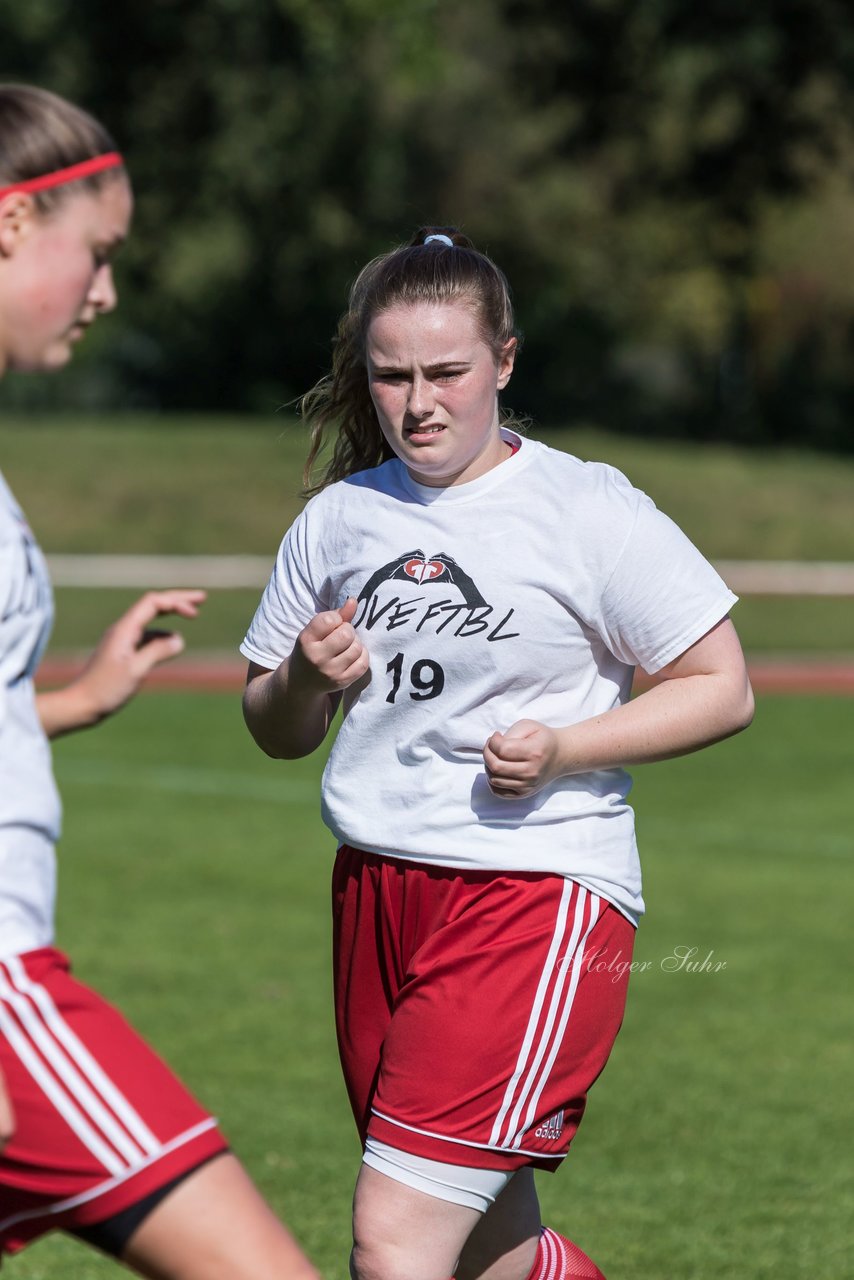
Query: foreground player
x=481, y=601
x=100, y=1138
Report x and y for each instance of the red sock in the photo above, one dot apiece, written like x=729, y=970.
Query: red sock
x=560, y=1259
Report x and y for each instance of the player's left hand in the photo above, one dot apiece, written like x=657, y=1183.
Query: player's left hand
x=131, y=648
x=521, y=761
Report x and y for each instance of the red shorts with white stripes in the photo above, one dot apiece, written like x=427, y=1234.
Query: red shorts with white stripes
x=100, y=1120
x=474, y=1009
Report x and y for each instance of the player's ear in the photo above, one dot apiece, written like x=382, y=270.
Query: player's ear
x=506, y=360
x=18, y=216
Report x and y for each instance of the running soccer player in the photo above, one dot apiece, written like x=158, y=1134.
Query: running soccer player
x=98, y=1138
x=480, y=603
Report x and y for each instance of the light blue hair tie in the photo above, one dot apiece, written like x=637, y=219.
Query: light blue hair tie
x=441, y=240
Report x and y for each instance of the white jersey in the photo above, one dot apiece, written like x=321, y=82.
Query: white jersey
x=531, y=592
x=29, y=802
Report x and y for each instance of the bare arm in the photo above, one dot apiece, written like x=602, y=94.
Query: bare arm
x=125, y=655
x=702, y=697
x=288, y=711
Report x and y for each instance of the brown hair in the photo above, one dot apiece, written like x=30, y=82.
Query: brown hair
x=414, y=273
x=40, y=133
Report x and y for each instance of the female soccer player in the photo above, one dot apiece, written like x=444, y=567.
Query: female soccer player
x=481, y=602
x=101, y=1140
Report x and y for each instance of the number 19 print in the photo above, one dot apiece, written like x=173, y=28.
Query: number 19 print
x=426, y=677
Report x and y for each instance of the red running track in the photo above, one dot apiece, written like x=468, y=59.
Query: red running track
x=218, y=674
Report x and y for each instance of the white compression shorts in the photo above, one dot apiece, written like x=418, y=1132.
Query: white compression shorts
x=472, y=1188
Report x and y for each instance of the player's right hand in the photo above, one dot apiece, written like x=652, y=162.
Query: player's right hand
x=329, y=655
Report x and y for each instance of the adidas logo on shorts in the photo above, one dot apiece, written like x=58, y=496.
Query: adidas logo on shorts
x=552, y=1129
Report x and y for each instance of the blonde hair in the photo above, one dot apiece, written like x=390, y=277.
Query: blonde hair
x=40, y=133
x=413, y=273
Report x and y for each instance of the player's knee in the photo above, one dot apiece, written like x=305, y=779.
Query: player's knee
x=393, y=1257
x=382, y=1250
x=390, y=1266
x=378, y=1244
x=377, y=1260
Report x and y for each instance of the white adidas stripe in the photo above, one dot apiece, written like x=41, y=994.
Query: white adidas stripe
x=539, y=999
x=515, y=1126
x=40, y=1039
x=102, y=1188
x=120, y=1141
x=531, y=1064
x=64, y=1105
x=578, y=951
x=128, y=1114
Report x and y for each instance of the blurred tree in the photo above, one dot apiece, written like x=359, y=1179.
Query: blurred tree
x=621, y=159
x=688, y=121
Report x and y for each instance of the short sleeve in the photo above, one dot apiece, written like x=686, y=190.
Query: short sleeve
x=662, y=596
x=291, y=599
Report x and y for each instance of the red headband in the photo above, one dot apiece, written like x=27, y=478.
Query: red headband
x=110, y=160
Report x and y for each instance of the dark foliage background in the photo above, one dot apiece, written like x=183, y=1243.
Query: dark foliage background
x=667, y=185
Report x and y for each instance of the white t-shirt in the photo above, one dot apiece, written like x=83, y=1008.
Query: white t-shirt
x=531, y=592
x=29, y=803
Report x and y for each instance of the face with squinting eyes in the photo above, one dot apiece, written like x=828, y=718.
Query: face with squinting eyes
x=434, y=383
x=55, y=272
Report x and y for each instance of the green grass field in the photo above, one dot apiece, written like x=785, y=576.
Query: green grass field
x=184, y=484
x=814, y=626
x=717, y=1144
x=194, y=877
x=231, y=485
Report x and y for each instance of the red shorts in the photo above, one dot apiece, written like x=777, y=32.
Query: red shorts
x=100, y=1121
x=474, y=1009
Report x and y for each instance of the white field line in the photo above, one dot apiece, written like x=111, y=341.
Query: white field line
x=147, y=572
x=788, y=577
x=745, y=577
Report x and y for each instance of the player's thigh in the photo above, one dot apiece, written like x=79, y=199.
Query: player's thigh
x=400, y=1233
x=480, y=1222
x=215, y=1225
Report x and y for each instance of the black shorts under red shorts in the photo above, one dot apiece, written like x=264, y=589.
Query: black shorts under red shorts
x=474, y=1009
